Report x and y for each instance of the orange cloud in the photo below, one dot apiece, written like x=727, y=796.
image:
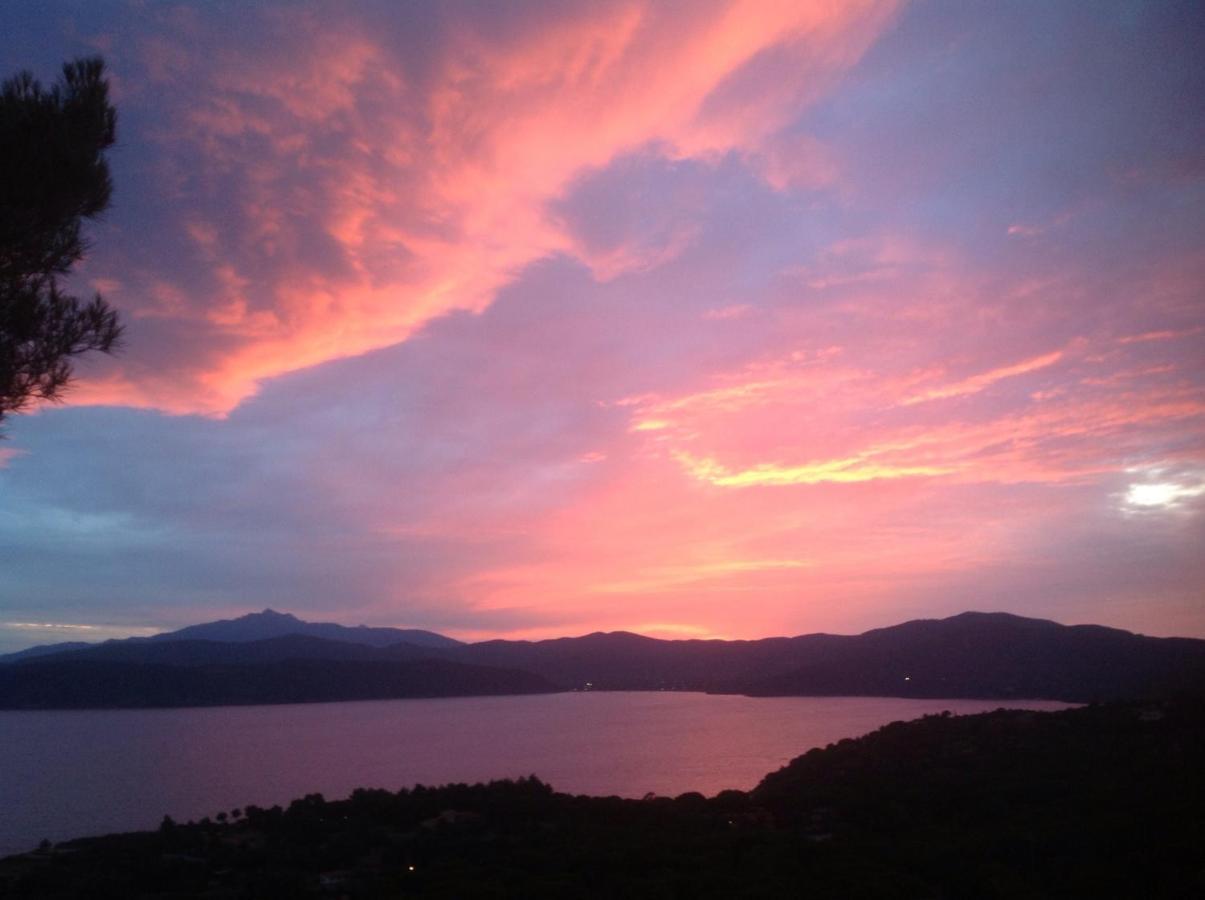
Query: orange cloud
x=430, y=193
x=801, y=420
x=838, y=471
x=977, y=383
x=1164, y=335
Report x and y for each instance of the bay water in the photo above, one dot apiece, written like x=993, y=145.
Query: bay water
x=66, y=774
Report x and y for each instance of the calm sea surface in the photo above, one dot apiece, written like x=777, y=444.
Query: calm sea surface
x=69, y=774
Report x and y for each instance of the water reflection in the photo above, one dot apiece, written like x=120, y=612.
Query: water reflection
x=66, y=774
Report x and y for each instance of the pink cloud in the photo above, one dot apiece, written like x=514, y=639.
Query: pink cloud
x=701, y=320
x=428, y=191
x=977, y=383
x=798, y=162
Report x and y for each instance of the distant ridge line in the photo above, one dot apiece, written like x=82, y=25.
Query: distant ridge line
x=971, y=655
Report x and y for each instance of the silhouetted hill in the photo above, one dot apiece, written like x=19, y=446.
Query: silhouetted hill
x=82, y=684
x=44, y=650
x=305, y=637
x=996, y=655
x=252, y=628
x=984, y=655
x=969, y=655
x=270, y=624
x=619, y=661
x=1097, y=802
x=208, y=652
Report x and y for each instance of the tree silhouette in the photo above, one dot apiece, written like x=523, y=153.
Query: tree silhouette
x=53, y=175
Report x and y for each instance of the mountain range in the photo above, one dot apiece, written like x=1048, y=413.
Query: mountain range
x=275, y=657
x=258, y=627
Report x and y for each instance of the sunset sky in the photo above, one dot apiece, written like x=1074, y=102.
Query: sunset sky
x=699, y=319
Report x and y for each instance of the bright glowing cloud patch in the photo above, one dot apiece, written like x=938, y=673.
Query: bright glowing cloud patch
x=854, y=469
x=1153, y=494
x=977, y=383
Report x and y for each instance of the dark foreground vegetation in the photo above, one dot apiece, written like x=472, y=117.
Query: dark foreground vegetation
x=1101, y=801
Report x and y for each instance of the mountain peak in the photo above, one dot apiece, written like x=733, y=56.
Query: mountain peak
x=270, y=623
